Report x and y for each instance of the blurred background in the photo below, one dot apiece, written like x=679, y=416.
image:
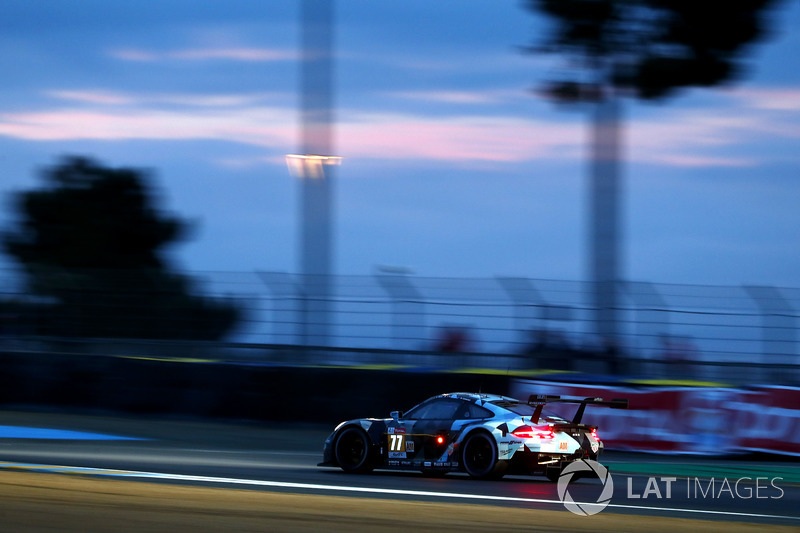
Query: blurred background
x=524, y=188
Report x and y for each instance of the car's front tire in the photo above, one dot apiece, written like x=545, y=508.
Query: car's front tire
x=479, y=457
x=352, y=450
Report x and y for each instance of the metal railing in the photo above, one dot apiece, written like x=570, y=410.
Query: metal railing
x=507, y=315
x=662, y=326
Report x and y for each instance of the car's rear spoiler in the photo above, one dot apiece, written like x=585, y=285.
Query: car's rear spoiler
x=539, y=400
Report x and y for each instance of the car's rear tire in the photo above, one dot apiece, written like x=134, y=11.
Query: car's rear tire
x=479, y=457
x=352, y=450
x=553, y=473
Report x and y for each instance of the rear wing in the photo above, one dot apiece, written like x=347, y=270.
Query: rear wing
x=538, y=401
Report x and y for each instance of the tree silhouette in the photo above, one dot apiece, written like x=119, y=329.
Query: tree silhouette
x=648, y=49
x=91, y=246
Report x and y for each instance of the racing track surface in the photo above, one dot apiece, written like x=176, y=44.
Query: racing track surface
x=196, y=476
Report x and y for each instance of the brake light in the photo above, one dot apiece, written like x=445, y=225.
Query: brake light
x=440, y=440
x=527, y=432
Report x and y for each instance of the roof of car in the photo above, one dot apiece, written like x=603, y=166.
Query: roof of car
x=478, y=396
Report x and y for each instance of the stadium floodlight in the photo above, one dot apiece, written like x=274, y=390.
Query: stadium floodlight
x=310, y=166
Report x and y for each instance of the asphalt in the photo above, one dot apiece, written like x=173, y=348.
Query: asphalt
x=280, y=459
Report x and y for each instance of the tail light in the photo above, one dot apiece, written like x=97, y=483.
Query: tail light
x=528, y=432
x=594, y=434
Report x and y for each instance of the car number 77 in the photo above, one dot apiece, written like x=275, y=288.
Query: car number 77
x=397, y=443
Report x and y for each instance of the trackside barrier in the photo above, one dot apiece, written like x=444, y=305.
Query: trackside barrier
x=698, y=420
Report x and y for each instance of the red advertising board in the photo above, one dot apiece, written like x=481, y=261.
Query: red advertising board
x=687, y=420
x=766, y=419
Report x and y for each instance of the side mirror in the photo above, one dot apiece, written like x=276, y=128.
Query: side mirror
x=396, y=415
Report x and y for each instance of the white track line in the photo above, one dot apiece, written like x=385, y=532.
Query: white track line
x=368, y=490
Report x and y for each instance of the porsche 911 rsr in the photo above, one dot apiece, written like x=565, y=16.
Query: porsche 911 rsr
x=484, y=435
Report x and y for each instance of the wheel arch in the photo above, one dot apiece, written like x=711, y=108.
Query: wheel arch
x=373, y=452
x=468, y=432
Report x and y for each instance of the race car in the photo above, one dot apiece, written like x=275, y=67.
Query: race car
x=484, y=435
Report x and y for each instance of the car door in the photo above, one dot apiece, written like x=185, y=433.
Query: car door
x=430, y=432
x=403, y=448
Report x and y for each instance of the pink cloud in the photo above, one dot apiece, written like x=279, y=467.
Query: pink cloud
x=463, y=139
x=128, y=54
x=262, y=127
x=772, y=99
x=234, y=54
x=374, y=136
x=683, y=160
x=685, y=139
x=457, y=97
x=691, y=139
x=199, y=100
x=92, y=97
x=206, y=54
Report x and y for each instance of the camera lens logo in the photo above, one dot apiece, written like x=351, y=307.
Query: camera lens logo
x=585, y=468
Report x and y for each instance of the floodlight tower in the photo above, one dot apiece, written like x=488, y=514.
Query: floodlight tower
x=313, y=167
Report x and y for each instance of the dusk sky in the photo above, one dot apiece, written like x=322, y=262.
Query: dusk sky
x=451, y=165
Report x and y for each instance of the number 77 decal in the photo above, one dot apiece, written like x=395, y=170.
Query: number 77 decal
x=397, y=443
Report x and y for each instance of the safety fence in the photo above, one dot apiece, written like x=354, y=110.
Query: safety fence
x=511, y=323
x=743, y=324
